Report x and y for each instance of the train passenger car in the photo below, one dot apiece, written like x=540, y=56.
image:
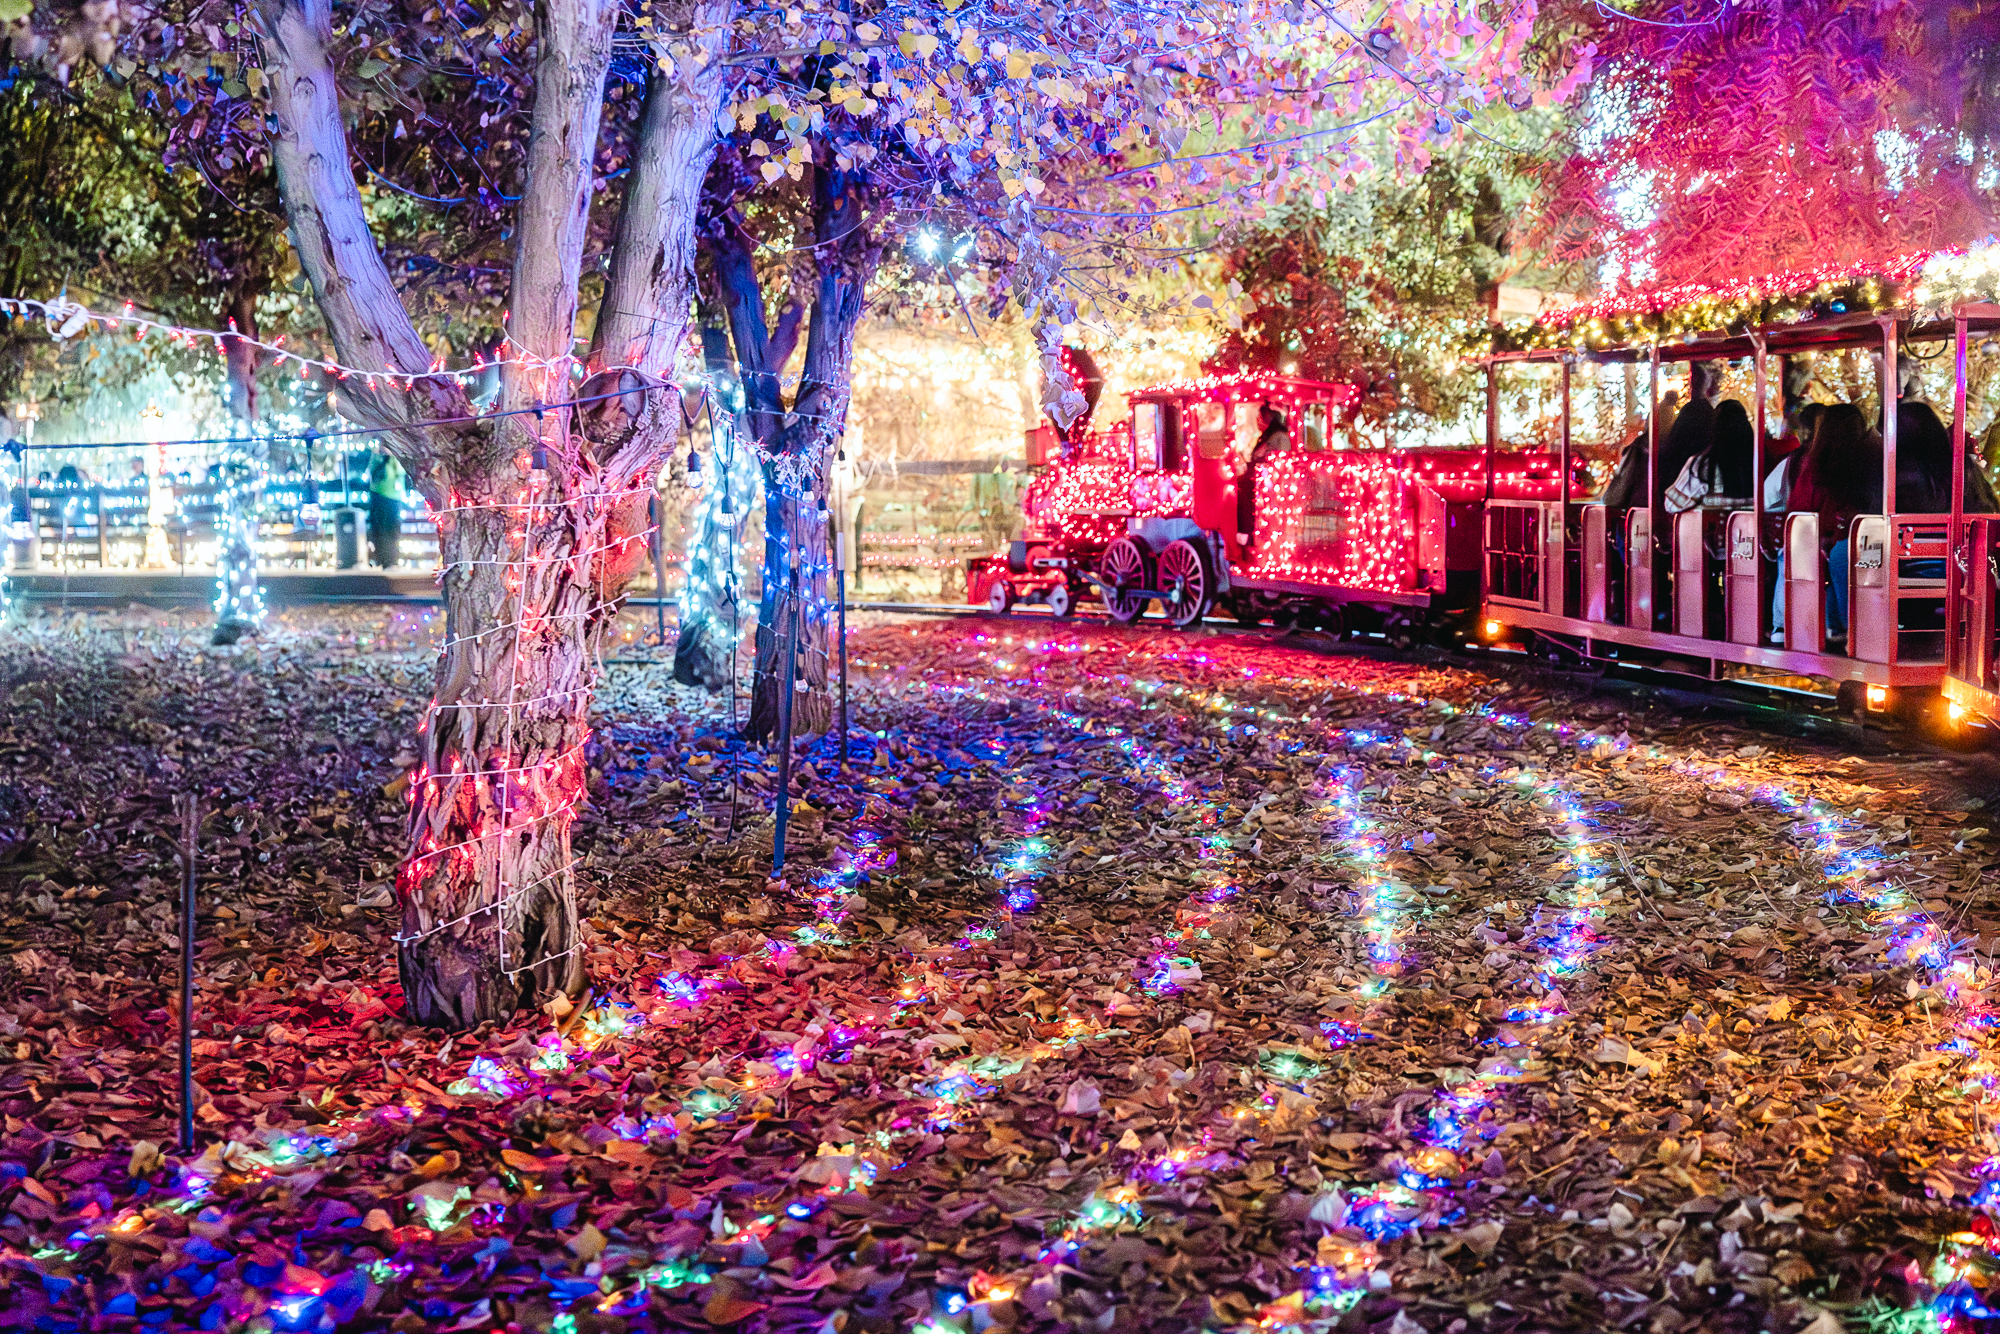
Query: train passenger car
x=1863, y=610
x=1178, y=507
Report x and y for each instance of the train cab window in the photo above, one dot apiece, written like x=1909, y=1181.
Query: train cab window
x=1148, y=426
x=1248, y=424
x=1156, y=443
x=1212, y=429
x=1310, y=433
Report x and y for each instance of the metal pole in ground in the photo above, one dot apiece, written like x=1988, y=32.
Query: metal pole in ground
x=790, y=640
x=191, y=826
x=840, y=592
x=659, y=570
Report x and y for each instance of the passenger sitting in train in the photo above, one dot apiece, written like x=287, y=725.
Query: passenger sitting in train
x=1840, y=476
x=1627, y=486
x=1923, y=467
x=1272, y=440
x=1693, y=429
x=1720, y=476
x=1682, y=435
x=1784, y=473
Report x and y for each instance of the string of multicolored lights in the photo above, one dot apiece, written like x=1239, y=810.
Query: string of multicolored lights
x=1460, y=1115
x=496, y=801
x=1929, y=281
x=1420, y=1193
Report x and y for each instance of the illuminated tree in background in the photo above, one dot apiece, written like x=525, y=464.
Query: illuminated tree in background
x=1379, y=289
x=1720, y=141
x=796, y=438
x=710, y=604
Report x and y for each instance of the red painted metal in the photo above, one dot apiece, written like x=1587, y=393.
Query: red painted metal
x=1805, y=586
x=1596, y=571
x=1744, y=598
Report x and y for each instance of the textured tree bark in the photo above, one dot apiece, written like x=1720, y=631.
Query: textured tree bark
x=489, y=916
x=845, y=262
x=240, y=356
x=542, y=514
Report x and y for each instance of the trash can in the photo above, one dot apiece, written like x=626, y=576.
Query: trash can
x=347, y=527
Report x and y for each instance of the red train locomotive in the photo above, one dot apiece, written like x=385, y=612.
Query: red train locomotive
x=1203, y=498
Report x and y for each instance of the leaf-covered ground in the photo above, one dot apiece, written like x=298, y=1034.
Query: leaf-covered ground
x=1121, y=981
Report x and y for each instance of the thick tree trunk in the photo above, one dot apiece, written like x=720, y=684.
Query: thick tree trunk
x=489, y=911
x=542, y=513
x=818, y=418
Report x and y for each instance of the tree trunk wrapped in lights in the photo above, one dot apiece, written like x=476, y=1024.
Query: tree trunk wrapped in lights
x=796, y=444
x=239, y=594
x=711, y=599
x=541, y=509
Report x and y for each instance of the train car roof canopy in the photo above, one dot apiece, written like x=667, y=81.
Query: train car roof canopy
x=1819, y=308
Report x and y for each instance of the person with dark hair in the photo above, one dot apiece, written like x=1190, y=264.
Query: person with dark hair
x=1693, y=429
x=1720, y=475
x=1784, y=473
x=1272, y=440
x=1840, y=477
x=1923, y=466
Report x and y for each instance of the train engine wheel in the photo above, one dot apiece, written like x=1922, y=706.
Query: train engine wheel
x=1187, y=583
x=1059, y=600
x=1000, y=596
x=1124, y=568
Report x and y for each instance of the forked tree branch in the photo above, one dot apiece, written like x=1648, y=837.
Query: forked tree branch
x=651, y=285
x=371, y=330
x=573, y=51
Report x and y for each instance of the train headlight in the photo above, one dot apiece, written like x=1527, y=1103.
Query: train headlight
x=1494, y=629
x=1955, y=711
x=1877, y=696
